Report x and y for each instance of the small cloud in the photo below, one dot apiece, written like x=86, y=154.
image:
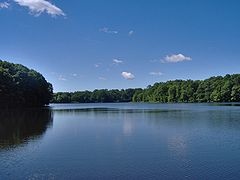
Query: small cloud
x=117, y=61
x=128, y=75
x=4, y=5
x=156, y=73
x=102, y=78
x=96, y=65
x=74, y=75
x=106, y=30
x=62, y=78
x=37, y=7
x=175, y=58
x=130, y=33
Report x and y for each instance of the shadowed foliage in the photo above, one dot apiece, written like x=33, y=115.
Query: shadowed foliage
x=22, y=87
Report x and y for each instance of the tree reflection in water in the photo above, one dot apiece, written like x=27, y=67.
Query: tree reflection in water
x=18, y=126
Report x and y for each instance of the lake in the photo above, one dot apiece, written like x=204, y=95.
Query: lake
x=121, y=141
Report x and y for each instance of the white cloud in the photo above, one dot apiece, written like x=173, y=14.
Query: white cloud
x=102, y=78
x=156, y=73
x=128, y=75
x=96, y=65
x=4, y=5
x=106, y=30
x=174, y=58
x=38, y=7
x=62, y=78
x=74, y=75
x=117, y=61
x=130, y=33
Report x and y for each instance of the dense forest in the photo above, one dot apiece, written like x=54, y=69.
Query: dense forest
x=214, y=89
x=22, y=87
x=102, y=95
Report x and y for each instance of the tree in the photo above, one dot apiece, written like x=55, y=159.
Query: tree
x=214, y=89
x=22, y=87
x=235, y=94
x=172, y=94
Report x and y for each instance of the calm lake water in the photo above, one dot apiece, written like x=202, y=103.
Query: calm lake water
x=121, y=141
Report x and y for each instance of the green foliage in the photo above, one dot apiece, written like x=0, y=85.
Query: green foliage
x=214, y=89
x=22, y=87
x=98, y=95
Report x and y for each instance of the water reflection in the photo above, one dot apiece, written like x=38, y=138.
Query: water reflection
x=126, y=141
x=200, y=116
x=19, y=126
x=225, y=104
x=98, y=111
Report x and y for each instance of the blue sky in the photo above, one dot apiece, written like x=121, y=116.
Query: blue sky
x=84, y=45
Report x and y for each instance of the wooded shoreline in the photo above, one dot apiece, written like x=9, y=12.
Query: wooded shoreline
x=214, y=89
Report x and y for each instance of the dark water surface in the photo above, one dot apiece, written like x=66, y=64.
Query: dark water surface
x=121, y=141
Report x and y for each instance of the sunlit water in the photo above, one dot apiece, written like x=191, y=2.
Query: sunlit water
x=121, y=141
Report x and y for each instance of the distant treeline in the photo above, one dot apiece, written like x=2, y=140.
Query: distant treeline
x=22, y=87
x=102, y=95
x=214, y=89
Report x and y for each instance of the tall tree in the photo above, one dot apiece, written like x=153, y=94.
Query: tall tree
x=20, y=86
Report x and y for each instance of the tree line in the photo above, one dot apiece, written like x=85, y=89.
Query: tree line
x=214, y=89
x=101, y=95
x=22, y=87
